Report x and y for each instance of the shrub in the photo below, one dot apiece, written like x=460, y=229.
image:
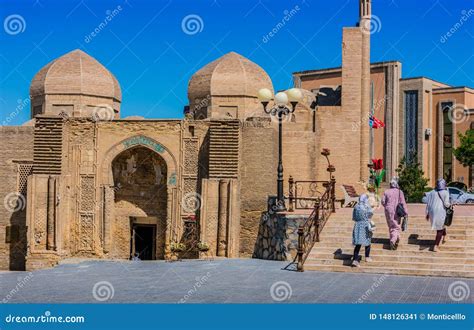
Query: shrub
x=411, y=179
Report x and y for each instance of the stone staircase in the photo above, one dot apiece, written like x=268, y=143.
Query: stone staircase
x=414, y=255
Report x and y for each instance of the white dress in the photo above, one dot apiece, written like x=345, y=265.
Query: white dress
x=435, y=208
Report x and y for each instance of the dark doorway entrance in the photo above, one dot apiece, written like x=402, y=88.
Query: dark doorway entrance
x=143, y=241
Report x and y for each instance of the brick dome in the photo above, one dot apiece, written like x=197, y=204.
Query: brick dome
x=229, y=75
x=76, y=73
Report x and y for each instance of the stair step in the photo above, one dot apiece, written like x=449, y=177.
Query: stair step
x=402, y=247
x=423, y=239
x=433, y=257
x=366, y=268
x=385, y=252
x=420, y=262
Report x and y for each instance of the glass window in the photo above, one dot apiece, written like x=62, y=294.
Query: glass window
x=411, y=123
x=447, y=107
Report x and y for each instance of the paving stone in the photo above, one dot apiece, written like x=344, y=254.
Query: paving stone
x=220, y=281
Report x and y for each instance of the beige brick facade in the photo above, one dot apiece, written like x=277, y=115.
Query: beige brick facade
x=82, y=182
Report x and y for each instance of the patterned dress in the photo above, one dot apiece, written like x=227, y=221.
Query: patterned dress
x=361, y=234
x=390, y=200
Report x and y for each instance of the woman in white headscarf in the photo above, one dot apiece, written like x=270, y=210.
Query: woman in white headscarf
x=362, y=234
x=390, y=200
x=437, y=201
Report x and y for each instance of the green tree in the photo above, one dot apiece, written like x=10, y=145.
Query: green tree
x=465, y=152
x=411, y=179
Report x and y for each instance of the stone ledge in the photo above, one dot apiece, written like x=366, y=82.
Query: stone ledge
x=278, y=236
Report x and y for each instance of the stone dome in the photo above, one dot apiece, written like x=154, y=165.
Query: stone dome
x=76, y=73
x=229, y=75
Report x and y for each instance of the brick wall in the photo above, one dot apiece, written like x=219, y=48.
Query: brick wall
x=17, y=146
x=258, y=178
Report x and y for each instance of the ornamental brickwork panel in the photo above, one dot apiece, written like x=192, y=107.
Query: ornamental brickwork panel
x=86, y=232
x=190, y=157
x=87, y=194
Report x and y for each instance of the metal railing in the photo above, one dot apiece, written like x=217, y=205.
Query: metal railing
x=302, y=194
x=308, y=233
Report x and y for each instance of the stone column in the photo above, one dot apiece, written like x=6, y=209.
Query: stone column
x=107, y=216
x=51, y=214
x=233, y=232
x=392, y=73
x=222, y=218
x=351, y=108
x=173, y=216
x=365, y=13
x=203, y=212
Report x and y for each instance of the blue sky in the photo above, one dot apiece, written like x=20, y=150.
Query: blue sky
x=146, y=48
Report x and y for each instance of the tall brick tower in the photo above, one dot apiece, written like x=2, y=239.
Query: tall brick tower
x=365, y=12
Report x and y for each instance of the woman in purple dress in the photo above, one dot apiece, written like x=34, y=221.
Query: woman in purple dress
x=390, y=200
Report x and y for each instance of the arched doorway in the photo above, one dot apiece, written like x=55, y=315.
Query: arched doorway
x=140, y=189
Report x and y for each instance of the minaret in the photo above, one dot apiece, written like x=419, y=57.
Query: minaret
x=365, y=12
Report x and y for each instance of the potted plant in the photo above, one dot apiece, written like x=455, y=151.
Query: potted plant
x=203, y=247
x=177, y=247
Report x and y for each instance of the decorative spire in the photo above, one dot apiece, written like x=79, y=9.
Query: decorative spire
x=365, y=9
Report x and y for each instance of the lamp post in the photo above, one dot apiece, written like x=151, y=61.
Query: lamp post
x=280, y=109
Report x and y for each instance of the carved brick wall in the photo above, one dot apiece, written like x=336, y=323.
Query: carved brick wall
x=86, y=232
x=190, y=156
x=86, y=217
x=191, y=200
x=40, y=222
x=87, y=194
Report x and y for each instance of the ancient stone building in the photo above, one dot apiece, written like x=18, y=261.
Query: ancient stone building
x=80, y=181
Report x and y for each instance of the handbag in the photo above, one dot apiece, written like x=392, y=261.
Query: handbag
x=372, y=226
x=405, y=223
x=400, y=210
x=449, y=213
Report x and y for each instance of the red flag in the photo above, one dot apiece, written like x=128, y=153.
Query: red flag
x=377, y=123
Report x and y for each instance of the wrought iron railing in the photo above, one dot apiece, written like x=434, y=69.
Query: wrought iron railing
x=302, y=194
x=309, y=231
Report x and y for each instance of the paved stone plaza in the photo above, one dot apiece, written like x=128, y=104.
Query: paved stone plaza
x=220, y=281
